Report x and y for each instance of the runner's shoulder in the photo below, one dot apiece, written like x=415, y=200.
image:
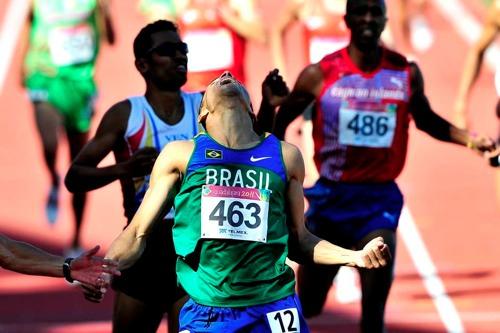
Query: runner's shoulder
x=117, y=115
x=178, y=147
x=396, y=59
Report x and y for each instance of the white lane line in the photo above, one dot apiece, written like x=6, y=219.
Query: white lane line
x=397, y=318
x=467, y=26
x=15, y=17
x=428, y=272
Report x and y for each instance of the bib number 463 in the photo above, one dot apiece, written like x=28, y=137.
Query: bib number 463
x=237, y=213
x=234, y=215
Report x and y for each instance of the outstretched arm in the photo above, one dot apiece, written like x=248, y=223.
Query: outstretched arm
x=433, y=124
x=28, y=259
x=171, y=163
x=307, y=87
x=374, y=254
x=474, y=61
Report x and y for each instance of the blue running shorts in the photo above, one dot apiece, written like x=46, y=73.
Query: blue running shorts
x=281, y=316
x=344, y=213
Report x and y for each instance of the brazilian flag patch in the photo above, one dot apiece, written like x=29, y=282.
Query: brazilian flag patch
x=213, y=154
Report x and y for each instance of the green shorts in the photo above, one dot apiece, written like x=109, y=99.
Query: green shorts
x=73, y=99
x=157, y=9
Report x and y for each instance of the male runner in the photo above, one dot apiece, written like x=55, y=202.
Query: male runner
x=135, y=130
x=238, y=196
x=365, y=96
x=58, y=73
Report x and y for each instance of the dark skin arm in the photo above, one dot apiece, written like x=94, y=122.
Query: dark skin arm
x=307, y=87
x=274, y=92
x=84, y=173
x=433, y=124
x=310, y=83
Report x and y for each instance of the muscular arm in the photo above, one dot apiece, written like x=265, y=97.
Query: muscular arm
x=475, y=57
x=242, y=17
x=128, y=247
x=84, y=173
x=310, y=246
x=426, y=119
x=27, y=259
x=307, y=87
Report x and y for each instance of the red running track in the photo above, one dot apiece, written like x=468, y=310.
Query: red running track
x=449, y=191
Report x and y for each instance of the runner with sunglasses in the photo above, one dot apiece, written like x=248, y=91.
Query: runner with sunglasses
x=135, y=130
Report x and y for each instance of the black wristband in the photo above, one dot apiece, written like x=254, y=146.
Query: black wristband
x=67, y=270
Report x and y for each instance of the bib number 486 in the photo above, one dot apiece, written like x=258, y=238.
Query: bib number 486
x=366, y=128
x=369, y=125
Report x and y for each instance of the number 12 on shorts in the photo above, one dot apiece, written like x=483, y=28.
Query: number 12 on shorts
x=284, y=321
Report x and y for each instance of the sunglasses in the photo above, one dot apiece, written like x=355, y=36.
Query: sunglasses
x=169, y=49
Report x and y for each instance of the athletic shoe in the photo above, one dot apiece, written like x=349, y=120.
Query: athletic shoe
x=52, y=206
x=421, y=35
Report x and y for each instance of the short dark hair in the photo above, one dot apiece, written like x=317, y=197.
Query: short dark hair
x=143, y=42
x=350, y=4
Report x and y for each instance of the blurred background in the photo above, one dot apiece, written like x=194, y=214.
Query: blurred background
x=447, y=270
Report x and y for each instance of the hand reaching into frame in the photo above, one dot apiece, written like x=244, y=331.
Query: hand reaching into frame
x=92, y=270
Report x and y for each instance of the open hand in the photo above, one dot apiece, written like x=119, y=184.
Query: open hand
x=91, y=270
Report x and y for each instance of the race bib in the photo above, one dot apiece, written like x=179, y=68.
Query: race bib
x=209, y=50
x=364, y=128
x=237, y=213
x=321, y=46
x=284, y=321
x=71, y=45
